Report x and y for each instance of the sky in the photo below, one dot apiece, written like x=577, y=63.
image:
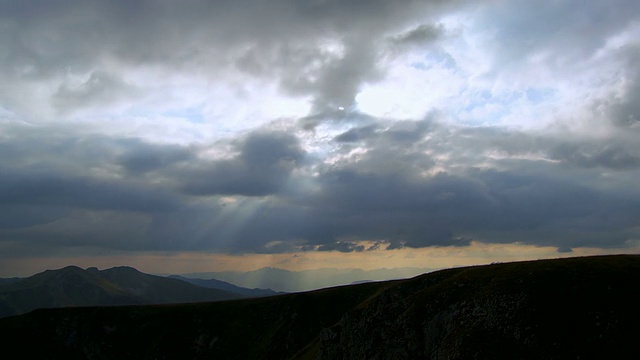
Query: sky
x=225, y=135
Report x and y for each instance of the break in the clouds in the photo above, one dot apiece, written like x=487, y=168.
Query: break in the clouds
x=353, y=126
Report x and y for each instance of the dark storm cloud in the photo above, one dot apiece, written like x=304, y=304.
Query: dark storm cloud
x=617, y=152
x=14, y=216
x=47, y=174
x=392, y=194
x=53, y=189
x=142, y=157
x=396, y=209
x=47, y=150
x=534, y=199
x=264, y=163
x=250, y=224
x=486, y=206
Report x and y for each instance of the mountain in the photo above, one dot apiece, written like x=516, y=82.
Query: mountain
x=292, y=281
x=223, y=285
x=552, y=309
x=73, y=286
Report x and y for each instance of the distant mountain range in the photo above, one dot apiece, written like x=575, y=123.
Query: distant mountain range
x=223, y=285
x=574, y=308
x=291, y=281
x=73, y=286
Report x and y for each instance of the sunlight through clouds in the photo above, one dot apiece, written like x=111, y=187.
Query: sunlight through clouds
x=267, y=129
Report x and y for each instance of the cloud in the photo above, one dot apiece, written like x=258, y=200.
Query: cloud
x=412, y=184
x=282, y=126
x=100, y=88
x=94, y=53
x=264, y=163
x=50, y=189
x=607, y=156
x=570, y=29
x=342, y=246
x=141, y=158
x=623, y=107
x=420, y=35
x=14, y=216
x=563, y=250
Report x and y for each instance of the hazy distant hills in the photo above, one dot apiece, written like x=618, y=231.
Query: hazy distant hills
x=289, y=281
x=73, y=286
x=223, y=285
x=584, y=308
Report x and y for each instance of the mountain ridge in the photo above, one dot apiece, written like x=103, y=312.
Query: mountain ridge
x=223, y=285
x=305, y=280
x=74, y=286
x=555, y=309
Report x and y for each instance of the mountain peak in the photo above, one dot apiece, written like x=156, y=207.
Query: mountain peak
x=123, y=269
x=122, y=285
x=69, y=268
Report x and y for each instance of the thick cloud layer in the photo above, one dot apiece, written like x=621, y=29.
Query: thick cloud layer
x=250, y=126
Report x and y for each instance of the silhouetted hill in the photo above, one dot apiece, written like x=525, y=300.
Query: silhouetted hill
x=305, y=280
x=73, y=286
x=554, y=309
x=223, y=285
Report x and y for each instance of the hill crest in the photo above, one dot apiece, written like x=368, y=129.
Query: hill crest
x=565, y=308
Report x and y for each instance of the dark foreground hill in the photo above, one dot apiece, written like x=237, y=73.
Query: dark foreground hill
x=584, y=308
x=73, y=286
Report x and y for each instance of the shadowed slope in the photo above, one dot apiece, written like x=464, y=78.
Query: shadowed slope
x=565, y=309
x=553, y=309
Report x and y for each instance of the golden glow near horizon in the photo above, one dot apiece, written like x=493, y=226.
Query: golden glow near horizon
x=431, y=258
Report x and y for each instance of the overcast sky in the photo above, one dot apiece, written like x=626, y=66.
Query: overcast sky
x=315, y=133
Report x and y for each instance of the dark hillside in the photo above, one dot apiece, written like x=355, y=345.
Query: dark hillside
x=563, y=309
x=554, y=309
x=73, y=286
x=262, y=328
